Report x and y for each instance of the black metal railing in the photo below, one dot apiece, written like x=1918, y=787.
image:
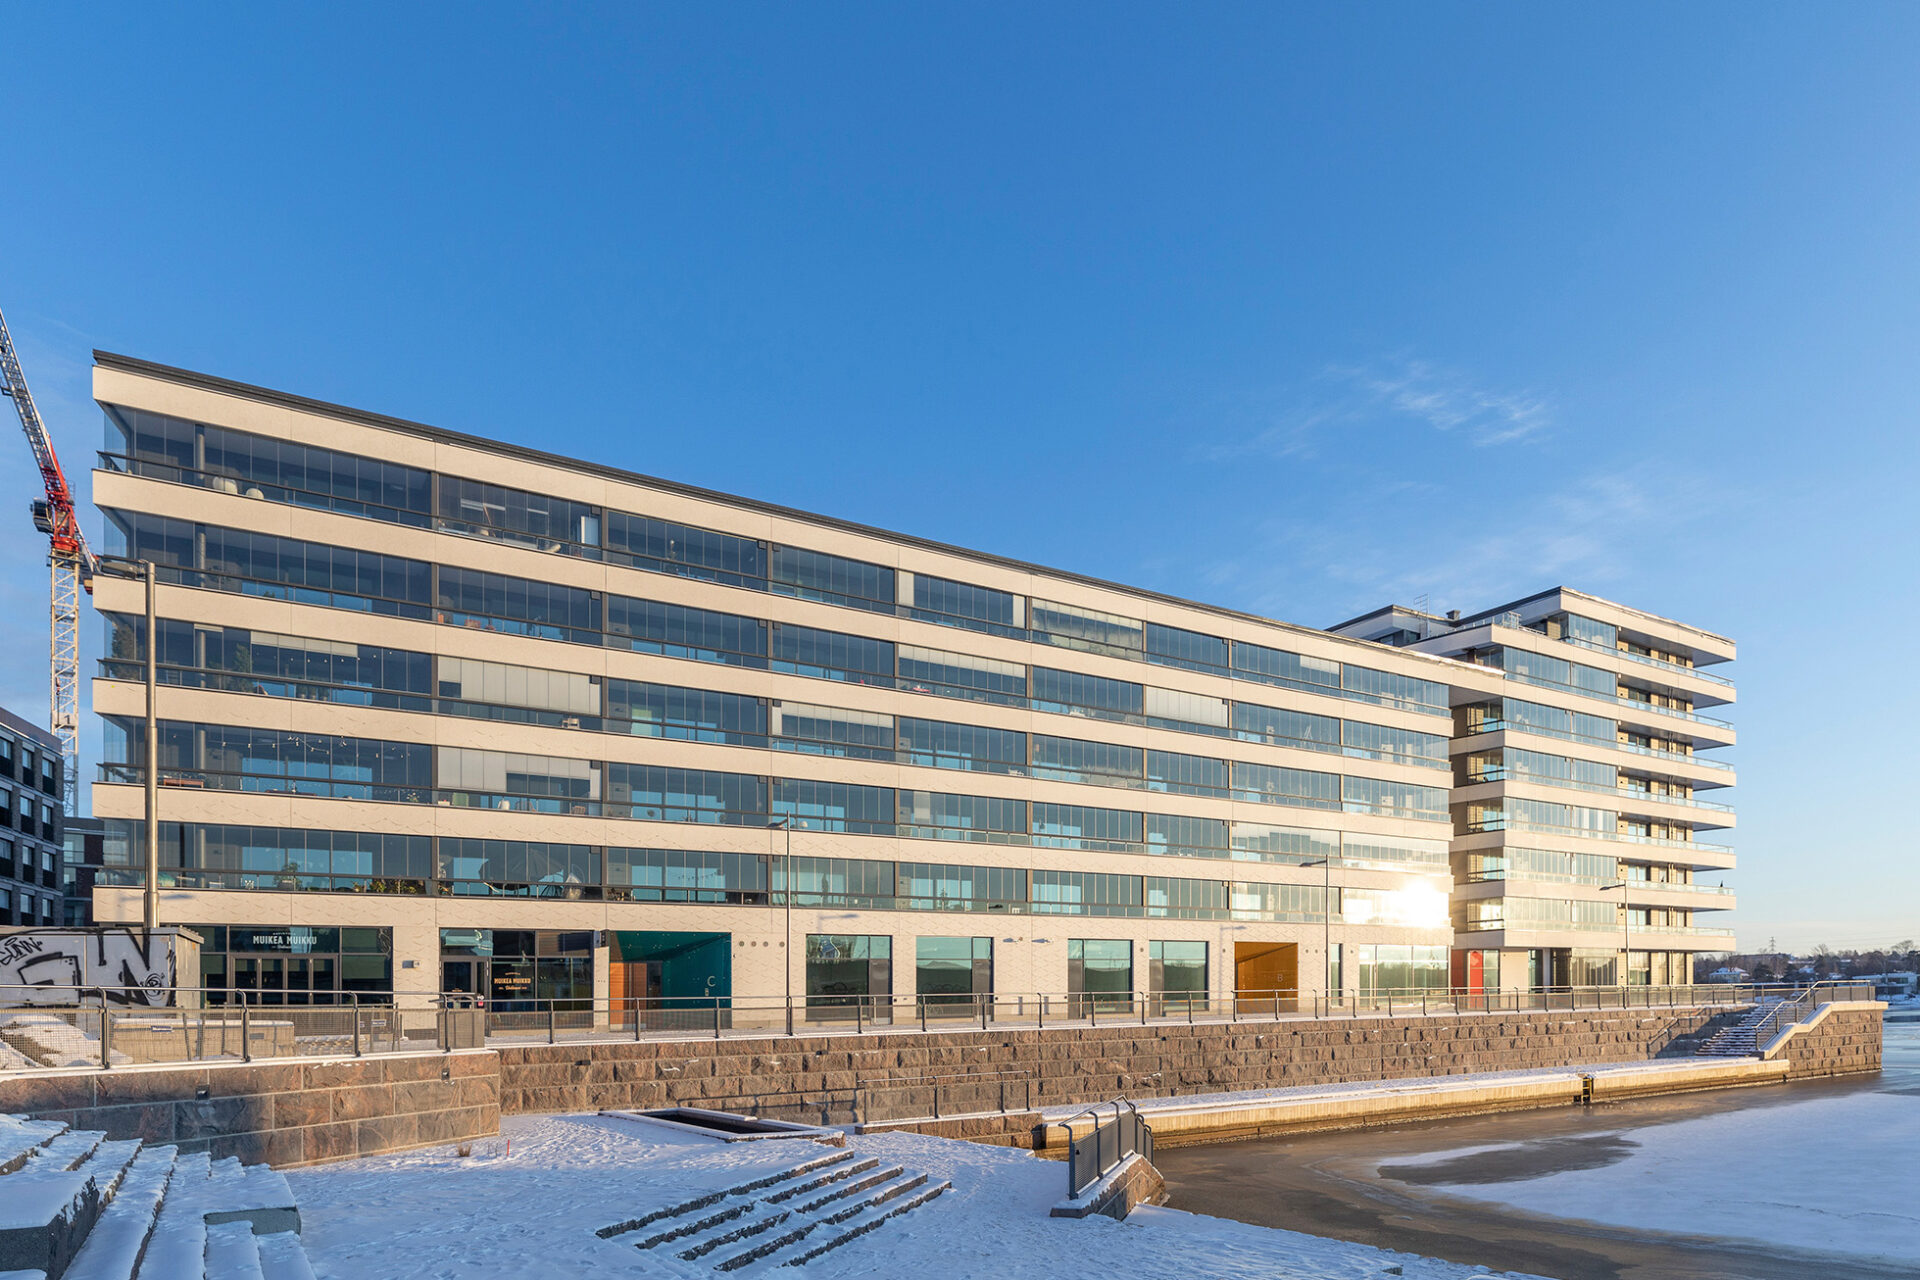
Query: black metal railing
x=1105, y=1144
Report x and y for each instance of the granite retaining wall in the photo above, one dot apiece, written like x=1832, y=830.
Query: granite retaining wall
x=284, y=1113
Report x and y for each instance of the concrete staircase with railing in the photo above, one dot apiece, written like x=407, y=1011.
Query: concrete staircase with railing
x=77, y=1206
x=783, y=1219
x=1741, y=1040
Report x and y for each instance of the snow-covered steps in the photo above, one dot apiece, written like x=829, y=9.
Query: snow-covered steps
x=119, y=1236
x=784, y=1218
x=689, y=1207
x=1741, y=1039
x=75, y=1205
x=50, y=1200
x=867, y=1217
x=232, y=1252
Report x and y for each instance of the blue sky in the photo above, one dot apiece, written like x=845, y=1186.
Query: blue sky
x=1298, y=311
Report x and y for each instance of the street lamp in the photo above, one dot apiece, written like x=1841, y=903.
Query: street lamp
x=121, y=567
x=1326, y=924
x=786, y=895
x=1626, y=942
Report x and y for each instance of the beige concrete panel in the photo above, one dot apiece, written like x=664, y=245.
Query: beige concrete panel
x=243, y=413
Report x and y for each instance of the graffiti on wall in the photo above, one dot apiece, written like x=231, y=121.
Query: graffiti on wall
x=40, y=966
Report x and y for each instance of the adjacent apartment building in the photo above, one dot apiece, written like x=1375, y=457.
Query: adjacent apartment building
x=438, y=712
x=30, y=824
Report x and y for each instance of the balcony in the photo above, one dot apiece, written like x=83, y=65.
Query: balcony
x=1626, y=793
x=1494, y=725
x=1504, y=824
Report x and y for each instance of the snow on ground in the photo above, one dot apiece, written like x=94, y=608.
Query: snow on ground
x=1835, y=1174
x=431, y=1215
x=1416, y=1084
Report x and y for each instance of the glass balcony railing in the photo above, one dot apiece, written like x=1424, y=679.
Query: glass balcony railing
x=1487, y=825
x=1629, y=704
x=1494, y=725
x=1594, y=788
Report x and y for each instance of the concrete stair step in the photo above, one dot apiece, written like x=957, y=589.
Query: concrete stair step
x=879, y=1196
x=177, y=1249
x=854, y=1228
x=799, y=1229
x=715, y=1197
x=853, y=1188
x=837, y=1173
x=744, y=1228
x=283, y=1257
x=680, y=1230
x=21, y=1138
x=232, y=1252
x=119, y=1236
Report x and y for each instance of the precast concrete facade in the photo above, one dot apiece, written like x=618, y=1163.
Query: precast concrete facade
x=441, y=713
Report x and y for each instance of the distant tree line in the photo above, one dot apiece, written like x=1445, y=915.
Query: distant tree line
x=1822, y=962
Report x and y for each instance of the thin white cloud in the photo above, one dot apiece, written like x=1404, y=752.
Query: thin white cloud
x=1349, y=399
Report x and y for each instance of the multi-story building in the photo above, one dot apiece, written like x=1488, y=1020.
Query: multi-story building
x=1579, y=785
x=85, y=851
x=30, y=820
x=438, y=711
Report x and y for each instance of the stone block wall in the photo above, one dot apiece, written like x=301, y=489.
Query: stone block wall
x=1844, y=1040
x=282, y=1113
x=878, y=1077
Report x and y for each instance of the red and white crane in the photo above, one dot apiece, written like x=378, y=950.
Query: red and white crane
x=72, y=561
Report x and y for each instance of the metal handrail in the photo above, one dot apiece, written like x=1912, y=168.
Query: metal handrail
x=1129, y=1134
x=200, y=1023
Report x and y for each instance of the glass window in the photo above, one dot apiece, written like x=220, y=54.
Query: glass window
x=958, y=675
x=665, y=547
x=831, y=655
x=941, y=745
x=1077, y=694
x=1290, y=670
x=495, y=602
x=1384, y=742
x=964, y=605
x=1100, y=973
x=1186, y=775
x=1085, y=893
x=938, y=815
x=813, y=575
x=1360, y=849
x=1072, y=826
x=1072, y=627
x=837, y=882
x=1187, y=712
x=1270, y=784
x=1186, y=899
x=834, y=806
x=1261, y=842
x=1101, y=763
x=689, y=715
x=842, y=969
x=1393, y=690
x=931, y=886
x=686, y=875
x=260, y=564
x=1172, y=647
x=953, y=970
x=534, y=520
x=675, y=631
x=1400, y=799
x=1280, y=727
x=1187, y=837
x=519, y=868
x=688, y=795
x=1178, y=969
x=831, y=731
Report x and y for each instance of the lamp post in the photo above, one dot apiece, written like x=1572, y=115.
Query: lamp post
x=785, y=825
x=1326, y=925
x=143, y=570
x=1626, y=942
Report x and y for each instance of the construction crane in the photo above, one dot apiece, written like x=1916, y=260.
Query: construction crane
x=73, y=564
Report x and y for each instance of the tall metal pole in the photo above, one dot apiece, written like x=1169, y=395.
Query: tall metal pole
x=152, y=916
x=786, y=896
x=1326, y=929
